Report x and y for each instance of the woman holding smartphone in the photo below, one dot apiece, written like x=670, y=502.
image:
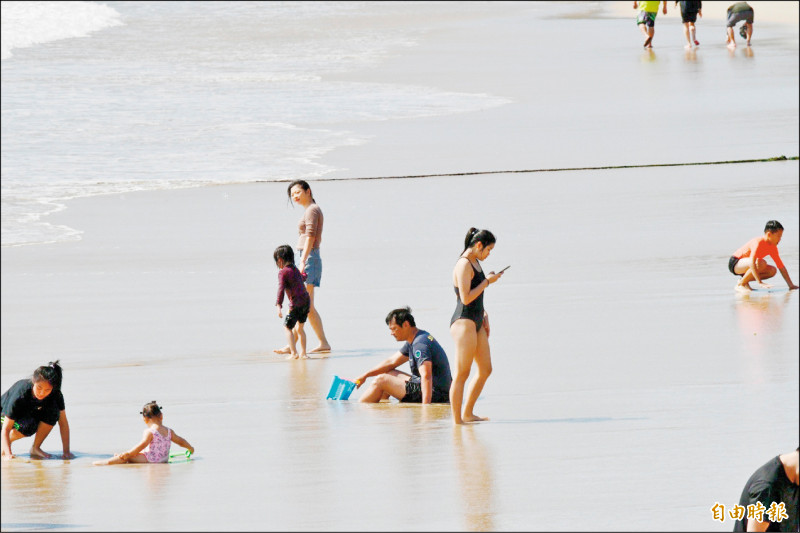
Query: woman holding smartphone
x=469, y=325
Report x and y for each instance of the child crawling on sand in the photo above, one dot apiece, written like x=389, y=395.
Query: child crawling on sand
x=155, y=444
x=749, y=261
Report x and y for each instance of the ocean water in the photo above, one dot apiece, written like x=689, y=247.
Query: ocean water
x=113, y=97
x=120, y=96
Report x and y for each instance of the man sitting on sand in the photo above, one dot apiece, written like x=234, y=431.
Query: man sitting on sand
x=748, y=261
x=429, y=381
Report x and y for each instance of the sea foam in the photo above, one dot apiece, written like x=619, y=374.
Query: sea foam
x=25, y=24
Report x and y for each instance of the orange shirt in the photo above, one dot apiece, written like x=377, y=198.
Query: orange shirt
x=759, y=247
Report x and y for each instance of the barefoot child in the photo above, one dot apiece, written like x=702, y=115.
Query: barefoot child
x=290, y=281
x=748, y=261
x=155, y=444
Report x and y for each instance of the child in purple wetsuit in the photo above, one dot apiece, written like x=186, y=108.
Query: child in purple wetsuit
x=292, y=282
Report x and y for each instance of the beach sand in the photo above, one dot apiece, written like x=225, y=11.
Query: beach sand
x=763, y=11
x=632, y=389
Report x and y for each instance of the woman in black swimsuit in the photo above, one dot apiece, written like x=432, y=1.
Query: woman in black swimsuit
x=470, y=323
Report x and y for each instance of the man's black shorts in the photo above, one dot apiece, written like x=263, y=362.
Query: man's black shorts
x=414, y=393
x=295, y=315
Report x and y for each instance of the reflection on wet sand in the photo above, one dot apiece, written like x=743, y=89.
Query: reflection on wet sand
x=475, y=475
x=648, y=55
x=157, y=480
x=40, y=489
x=305, y=378
x=747, y=51
x=758, y=315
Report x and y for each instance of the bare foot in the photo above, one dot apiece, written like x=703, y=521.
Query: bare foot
x=37, y=453
x=731, y=45
x=321, y=349
x=688, y=46
x=292, y=356
x=648, y=42
x=282, y=351
x=743, y=288
x=303, y=356
x=475, y=418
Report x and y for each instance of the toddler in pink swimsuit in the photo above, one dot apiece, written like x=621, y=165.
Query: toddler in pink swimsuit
x=156, y=440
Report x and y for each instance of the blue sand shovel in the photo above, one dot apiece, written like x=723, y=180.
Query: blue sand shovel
x=341, y=388
x=181, y=457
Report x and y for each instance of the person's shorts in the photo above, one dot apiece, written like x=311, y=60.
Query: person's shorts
x=295, y=315
x=29, y=425
x=414, y=393
x=689, y=16
x=646, y=18
x=746, y=16
x=313, y=269
x=732, y=264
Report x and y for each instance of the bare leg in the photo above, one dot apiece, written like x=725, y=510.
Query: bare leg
x=466, y=340
x=392, y=383
x=483, y=360
x=686, y=34
x=300, y=333
x=651, y=31
x=745, y=267
x=731, y=40
x=749, y=32
x=117, y=460
x=291, y=343
x=14, y=435
x=41, y=433
x=316, y=324
x=693, y=33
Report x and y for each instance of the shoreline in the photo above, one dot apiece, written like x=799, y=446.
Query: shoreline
x=528, y=132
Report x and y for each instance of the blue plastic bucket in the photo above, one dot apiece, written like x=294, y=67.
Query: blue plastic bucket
x=340, y=389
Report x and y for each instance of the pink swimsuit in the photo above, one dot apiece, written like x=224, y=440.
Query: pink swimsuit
x=158, y=449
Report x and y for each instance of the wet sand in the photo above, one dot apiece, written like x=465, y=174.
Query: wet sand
x=622, y=356
x=632, y=389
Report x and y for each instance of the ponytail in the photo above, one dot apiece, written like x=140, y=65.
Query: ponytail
x=51, y=373
x=151, y=410
x=474, y=236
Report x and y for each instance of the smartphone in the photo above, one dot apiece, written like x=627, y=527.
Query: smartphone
x=506, y=268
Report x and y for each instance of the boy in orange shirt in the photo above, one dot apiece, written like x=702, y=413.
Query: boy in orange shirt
x=748, y=261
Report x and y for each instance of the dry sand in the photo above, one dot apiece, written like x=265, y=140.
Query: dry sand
x=766, y=11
